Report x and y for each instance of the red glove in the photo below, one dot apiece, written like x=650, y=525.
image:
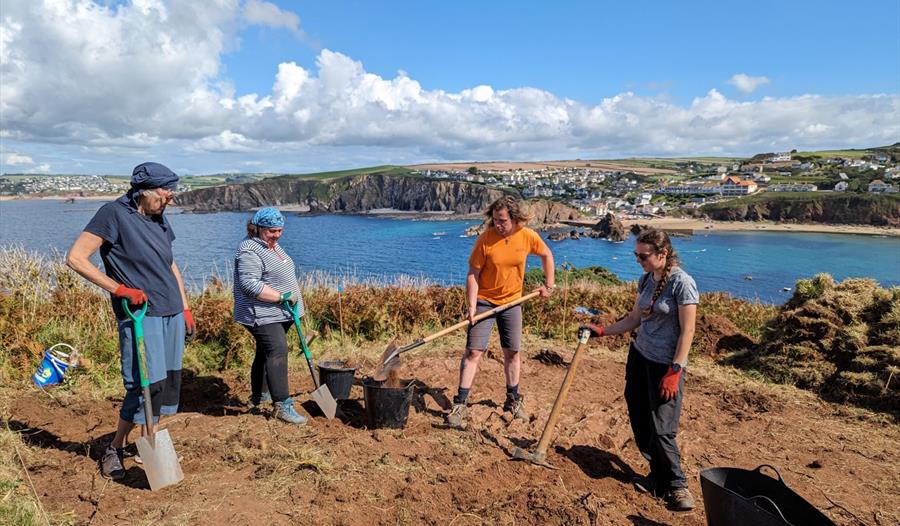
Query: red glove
x=668, y=387
x=190, y=327
x=134, y=296
x=595, y=330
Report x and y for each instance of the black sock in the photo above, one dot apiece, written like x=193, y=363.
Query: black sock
x=462, y=396
x=512, y=391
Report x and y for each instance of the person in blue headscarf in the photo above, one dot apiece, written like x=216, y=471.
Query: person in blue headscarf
x=264, y=279
x=135, y=243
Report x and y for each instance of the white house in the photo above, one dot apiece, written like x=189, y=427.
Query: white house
x=841, y=186
x=880, y=186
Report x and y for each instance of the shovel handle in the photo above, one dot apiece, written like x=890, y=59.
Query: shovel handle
x=460, y=325
x=138, y=320
x=312, y=371
x=547, y=434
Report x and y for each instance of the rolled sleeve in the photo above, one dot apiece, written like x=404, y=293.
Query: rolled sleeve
x=685, y=291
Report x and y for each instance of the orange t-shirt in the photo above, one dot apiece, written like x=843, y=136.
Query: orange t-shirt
x=502, y=263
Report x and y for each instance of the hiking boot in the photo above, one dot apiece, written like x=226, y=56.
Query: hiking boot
x=516, y=406
x=111, y=464
x=459, y=415
x=285, y=411
x=645, y=485
x=679, y=499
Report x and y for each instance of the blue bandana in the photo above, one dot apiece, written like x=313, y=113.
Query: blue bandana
x=268, y=218
x=153, y=175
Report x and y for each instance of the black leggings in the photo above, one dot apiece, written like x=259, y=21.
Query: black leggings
x=269, y=371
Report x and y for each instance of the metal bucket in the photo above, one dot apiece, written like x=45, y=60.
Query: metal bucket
x=740, y=497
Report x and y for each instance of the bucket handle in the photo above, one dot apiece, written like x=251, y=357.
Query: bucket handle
x=71, y=356
x=770, y=502
x=759, y=470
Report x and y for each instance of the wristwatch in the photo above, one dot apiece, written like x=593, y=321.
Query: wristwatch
x=549, y=287
x=676, y=367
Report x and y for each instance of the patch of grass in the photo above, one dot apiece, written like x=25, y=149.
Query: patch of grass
x=385, y=169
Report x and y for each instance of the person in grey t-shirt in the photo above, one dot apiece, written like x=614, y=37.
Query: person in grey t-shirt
x=665, y=315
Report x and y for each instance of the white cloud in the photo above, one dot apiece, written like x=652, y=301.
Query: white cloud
x=746, y=83
x=15, y=159
x=267, y=14
x=146, y=79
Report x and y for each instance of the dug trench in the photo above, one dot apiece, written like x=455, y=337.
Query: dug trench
x=243, y=468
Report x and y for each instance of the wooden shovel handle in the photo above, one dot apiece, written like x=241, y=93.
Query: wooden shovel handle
x=547, y=434
x=483, y=315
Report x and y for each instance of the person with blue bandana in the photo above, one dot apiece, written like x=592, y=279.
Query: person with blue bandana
x=264, y=279
x=135, y=243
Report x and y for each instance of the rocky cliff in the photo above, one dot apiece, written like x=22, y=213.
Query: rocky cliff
x=843, y=208
x=361, y=193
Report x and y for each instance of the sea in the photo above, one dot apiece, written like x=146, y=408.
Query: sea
x=761, y=266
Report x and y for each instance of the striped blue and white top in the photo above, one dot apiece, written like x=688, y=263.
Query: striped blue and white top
x=256, y=265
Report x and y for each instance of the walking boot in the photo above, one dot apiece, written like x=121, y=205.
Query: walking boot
x=459, y=415
x=516, y=406
x=679, y=499
x=285, y=411
x=111, y=464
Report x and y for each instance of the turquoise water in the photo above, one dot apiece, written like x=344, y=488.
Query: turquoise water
x=374, y=247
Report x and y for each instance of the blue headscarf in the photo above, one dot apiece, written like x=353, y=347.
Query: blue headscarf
x=153, y=175
x=268, y=218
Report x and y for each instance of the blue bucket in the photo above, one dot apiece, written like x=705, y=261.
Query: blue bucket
x=53, y=367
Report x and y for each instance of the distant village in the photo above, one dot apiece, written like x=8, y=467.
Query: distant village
x=688, y=185
x=596, y=192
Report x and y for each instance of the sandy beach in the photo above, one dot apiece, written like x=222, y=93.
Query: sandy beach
x=761, y=226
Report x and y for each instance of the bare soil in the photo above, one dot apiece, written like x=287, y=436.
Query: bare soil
x=243, y=468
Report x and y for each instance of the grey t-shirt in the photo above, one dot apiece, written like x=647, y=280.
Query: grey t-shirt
x=657, y=335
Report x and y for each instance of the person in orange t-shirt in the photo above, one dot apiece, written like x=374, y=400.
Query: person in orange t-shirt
x=496, y=275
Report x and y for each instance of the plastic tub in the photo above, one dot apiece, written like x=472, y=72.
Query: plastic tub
x=387, y=407
x=338, y=377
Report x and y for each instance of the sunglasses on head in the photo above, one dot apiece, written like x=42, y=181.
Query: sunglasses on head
x=643, y=255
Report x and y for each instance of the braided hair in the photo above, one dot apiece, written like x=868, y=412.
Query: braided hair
x=660, y=241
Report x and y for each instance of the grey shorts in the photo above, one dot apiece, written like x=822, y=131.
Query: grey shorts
x=509, y=323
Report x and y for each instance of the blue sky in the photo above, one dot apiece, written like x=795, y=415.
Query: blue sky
x=589, y=50
x=229, y=85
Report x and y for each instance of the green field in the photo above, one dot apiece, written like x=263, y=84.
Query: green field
x=385, y=169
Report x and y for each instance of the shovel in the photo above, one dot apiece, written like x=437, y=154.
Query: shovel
x=389, y=359
x=539, y=456
x=156, y=449
x=321, y=395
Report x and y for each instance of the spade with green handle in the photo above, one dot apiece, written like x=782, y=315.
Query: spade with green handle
x=156, y=449
x=321, y=395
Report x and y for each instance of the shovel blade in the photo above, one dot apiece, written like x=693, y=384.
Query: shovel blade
x=326, y=402
x=160, y=460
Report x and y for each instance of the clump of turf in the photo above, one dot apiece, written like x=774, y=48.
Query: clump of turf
x=840, y=340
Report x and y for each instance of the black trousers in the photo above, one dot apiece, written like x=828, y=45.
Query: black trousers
x=269, y=371
x=654, y=421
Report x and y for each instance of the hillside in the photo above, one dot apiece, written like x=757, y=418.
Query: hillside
x=358, y=191
x=809, y=207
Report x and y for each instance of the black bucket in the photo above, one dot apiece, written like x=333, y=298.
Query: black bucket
x=387, y=407
x=338, y=377
x=741, y=497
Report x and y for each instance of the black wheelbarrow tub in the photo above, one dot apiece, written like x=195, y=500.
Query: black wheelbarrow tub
x=741, y=497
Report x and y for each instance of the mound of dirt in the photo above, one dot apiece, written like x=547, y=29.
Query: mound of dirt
x=840, y=340
x=717, y=335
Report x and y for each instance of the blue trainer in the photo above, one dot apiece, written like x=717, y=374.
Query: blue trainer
x=285, y=411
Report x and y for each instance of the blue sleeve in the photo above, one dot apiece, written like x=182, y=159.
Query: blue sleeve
x=105, y=223
x=169, y=230
x=685, y=291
